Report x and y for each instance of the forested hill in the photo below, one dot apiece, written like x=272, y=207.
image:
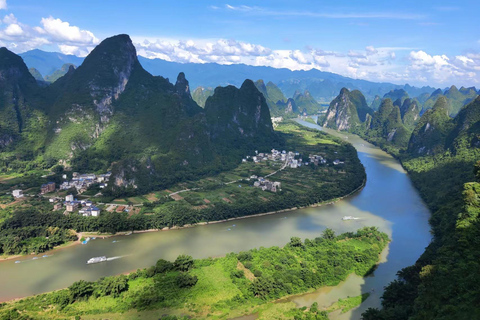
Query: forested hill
x=443, y=162
x=110, y=110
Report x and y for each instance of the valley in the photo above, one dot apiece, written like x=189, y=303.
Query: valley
x=405, y=222
x=240, y=161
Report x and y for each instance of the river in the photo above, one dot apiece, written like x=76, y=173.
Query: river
x=388, y=201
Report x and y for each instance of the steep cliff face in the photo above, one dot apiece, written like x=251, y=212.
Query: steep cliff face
x=101, y=78
x=410, y=112
x=290, y=106
x=241, y=113
x=430, y=134
x=347, y=112
x=18, y=97
x=387, y=124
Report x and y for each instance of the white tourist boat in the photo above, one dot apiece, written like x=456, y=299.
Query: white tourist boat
x=97, y=260
x=349, y=218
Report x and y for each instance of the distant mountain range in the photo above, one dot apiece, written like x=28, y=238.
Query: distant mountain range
x=397, y=122
x=322, y=86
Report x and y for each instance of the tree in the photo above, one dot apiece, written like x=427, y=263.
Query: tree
x=295, y=242
x=476, y=170
x=112, y=286
x=81, y=289
x=58, y=169
x=183, y=262
x=328, y=234
x=184, y=280
x=163, y=266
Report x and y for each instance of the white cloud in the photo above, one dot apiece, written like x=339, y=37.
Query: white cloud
x=63, y=31
x=370, y=50
x=9, y=18
x=13, y=30
x=328, y=15
x=371, y=63
x=221, y=50
x=442, y=69
x=3, y=4
x=20, y=37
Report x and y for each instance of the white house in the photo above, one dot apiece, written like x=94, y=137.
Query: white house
x=17, y=193
x=69, y=198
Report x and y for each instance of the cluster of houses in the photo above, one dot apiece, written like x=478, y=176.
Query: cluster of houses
x=81, y=182
x=84, y=207
x=291, y=159
x=265, y=184
x=276, y=155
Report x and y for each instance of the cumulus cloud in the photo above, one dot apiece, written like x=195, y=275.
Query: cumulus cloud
x=63, y=31
x=69, y=39
x=221, y=51
x=13, y=30
x=443, y=69
x=3, y=4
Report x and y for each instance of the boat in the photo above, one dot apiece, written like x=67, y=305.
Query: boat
x=349, y=218
x=18, y=261
x=34, y=258
x=44, y=256
x=86, y=240
x=128, y=233
x=97, y=260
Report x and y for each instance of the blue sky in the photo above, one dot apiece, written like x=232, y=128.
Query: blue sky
x=418, y=42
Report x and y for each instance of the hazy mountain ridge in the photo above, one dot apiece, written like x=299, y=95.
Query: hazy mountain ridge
x=456, y=98
x=323, y=86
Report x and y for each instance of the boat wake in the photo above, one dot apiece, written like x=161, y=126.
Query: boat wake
x=115, y=258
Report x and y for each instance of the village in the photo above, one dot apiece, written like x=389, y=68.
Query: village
x=289, y=159
x=80, y=183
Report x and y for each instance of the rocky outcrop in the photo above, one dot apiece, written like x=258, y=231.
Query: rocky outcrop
x=347, y=112
x=231, y=111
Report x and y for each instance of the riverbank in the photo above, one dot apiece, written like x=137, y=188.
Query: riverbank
x=81, y=235
x=33, y=254
x=287, y=210
x=218, y=281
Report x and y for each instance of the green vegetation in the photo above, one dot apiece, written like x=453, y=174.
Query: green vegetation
x=306, y=103
x=109, y=114
x=220, y=288
x=212, y=200
x=348, y=111
x=57, y=74
x=456, y=99
x=443, y=283
x=201, y=94
x=349, y=303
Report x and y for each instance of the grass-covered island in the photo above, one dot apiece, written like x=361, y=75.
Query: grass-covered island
x=31, y=224
x=221, y=288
